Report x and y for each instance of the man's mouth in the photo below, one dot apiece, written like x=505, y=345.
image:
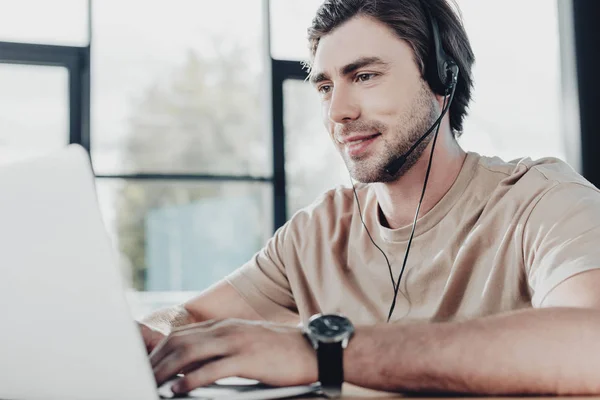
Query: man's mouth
x=355, y=146
x=358, y=139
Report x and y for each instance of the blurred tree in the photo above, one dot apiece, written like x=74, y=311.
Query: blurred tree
x=206, y=117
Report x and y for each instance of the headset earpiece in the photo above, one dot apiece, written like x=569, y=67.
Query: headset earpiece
x=441, y=70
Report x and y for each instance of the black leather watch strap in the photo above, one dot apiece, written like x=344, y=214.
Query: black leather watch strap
x=330, y=357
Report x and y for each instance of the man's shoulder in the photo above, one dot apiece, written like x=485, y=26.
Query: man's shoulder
x=563, y=188
x=553, y=170
x=543, y=183
x=530, y=174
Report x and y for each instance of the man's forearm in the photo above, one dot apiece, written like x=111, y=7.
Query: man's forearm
x=535, y=351
x=166, y=319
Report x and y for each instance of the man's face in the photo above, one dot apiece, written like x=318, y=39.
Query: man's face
x=375, y=104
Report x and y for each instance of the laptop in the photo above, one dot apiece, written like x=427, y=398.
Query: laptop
x=66, y=328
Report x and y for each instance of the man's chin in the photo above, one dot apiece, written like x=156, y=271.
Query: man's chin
x=371, y=175
x=368, y=168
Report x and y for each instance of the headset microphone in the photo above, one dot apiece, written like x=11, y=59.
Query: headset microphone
x=451, y=77
x=393, y=167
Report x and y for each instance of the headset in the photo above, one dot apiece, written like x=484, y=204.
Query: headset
x=441, y=73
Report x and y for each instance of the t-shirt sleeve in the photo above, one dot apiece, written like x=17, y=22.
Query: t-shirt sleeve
x=561, y=237
x=263, y=283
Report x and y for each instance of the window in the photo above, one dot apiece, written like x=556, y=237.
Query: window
x=184, y=96
x=57, y=22
x=516, y=106
x=180, y=140
x=184, y=236
x=34, y=110
x=289, y=21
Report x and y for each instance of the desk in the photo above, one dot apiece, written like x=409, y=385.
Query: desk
x=351, y=392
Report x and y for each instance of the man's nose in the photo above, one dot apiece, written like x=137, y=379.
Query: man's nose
x=343, y=107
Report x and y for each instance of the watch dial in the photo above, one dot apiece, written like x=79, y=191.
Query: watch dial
x=330, y=325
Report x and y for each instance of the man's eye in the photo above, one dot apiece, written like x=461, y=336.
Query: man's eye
x=324, y=89
x=364, y=77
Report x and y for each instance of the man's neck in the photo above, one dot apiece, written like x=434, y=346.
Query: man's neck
x=398, y=200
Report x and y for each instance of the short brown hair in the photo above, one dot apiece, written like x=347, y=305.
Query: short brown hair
x=408, y=18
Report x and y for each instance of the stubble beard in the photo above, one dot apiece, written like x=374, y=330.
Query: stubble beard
x=398, y=139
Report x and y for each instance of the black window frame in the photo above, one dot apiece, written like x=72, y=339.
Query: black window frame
x=77, y=62
x=282, y=70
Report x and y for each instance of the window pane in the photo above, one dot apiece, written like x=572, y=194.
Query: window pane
x=312, y=163
x=183, y=236
x=289, y=21
x=184, y=96
x=34, y=111
x=62, y=22
x=515, y=111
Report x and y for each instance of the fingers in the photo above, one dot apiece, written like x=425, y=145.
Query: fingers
x=159, y=350
x=185, y=351
x=145, y=331
x=213, y=350
x=151, y=337
x=207, y=374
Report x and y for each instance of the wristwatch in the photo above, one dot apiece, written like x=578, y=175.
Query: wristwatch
x=329, y=335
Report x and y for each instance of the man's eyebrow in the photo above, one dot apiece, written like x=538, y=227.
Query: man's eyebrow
x=318, y=78
x=349, y=69
x=361, y=63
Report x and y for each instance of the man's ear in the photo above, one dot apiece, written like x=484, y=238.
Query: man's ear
x=440, y=101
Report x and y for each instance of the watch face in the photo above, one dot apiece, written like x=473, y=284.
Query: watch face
x=331, y=327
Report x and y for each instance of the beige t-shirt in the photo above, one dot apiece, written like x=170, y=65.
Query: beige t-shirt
x=500, y=239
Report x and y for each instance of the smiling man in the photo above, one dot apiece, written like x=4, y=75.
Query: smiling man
x=492, y=290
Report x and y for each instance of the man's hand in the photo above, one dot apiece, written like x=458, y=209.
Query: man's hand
x=205, y=352
x=151, y=337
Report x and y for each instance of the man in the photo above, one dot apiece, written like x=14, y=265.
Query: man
x=499, y=293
